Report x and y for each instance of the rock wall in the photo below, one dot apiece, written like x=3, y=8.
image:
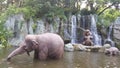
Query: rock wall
x=19, y=28
x=116, y=32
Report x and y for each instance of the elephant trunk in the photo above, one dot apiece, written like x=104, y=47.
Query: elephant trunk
x=17, y=51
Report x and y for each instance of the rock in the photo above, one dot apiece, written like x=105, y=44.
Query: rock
x=104, y=47
x=116, y=29
x=18, y=28
x=112, y=51
x=107, y=45
x=109, y=41
x=79, y=47
x=69, y=47
x=40, y=28
x=93, y=48
x=30, y=26
x=88, y=50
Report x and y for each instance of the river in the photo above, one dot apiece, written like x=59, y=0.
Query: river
x=76, y=59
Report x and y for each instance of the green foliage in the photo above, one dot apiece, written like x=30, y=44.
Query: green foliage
x=4, y=34
x=46, y=9
x=34, y=26
x=111, y=14
x=27, y=11
x=108, y=17
x=3, y=40
x=85, y=12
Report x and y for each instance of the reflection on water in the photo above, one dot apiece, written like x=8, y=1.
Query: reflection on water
x=70, y=60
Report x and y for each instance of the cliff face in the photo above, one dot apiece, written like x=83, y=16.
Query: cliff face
x=16, y=24
x=68, y=30
x=20, y=28
x=116, y=31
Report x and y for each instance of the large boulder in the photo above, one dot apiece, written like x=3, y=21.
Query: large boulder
x=69, y=47
x=112, y=51
x=104, y=47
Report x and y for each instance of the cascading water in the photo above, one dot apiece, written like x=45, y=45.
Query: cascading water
x=93, y=28
x=108, y=40
x=73, y=29
x=96, y=37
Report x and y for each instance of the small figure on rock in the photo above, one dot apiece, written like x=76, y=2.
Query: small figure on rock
x=112, y=51
x=87, y=38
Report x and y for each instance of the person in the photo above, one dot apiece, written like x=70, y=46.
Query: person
x=87, y=38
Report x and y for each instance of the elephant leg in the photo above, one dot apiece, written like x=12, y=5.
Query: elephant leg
x=56, y=54
x=36, y=54
x=43, y=54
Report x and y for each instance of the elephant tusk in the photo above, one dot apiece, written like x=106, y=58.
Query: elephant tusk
x=27, y=52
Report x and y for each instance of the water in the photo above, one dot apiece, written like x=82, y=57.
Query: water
x=96, y=37
x=109, y=40
x=73, y=29
x=75, y=59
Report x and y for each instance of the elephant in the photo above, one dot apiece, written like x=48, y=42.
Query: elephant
x=112, y=51
x=87, y=38
x=45, y=46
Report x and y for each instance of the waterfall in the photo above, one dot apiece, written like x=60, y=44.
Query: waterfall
x=73, y=29
x=109, y=33
x=66, y=34
x=96, y=37
x=84, y=22
x=108, y=40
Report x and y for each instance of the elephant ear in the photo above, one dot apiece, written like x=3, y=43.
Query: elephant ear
x=35, y=44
